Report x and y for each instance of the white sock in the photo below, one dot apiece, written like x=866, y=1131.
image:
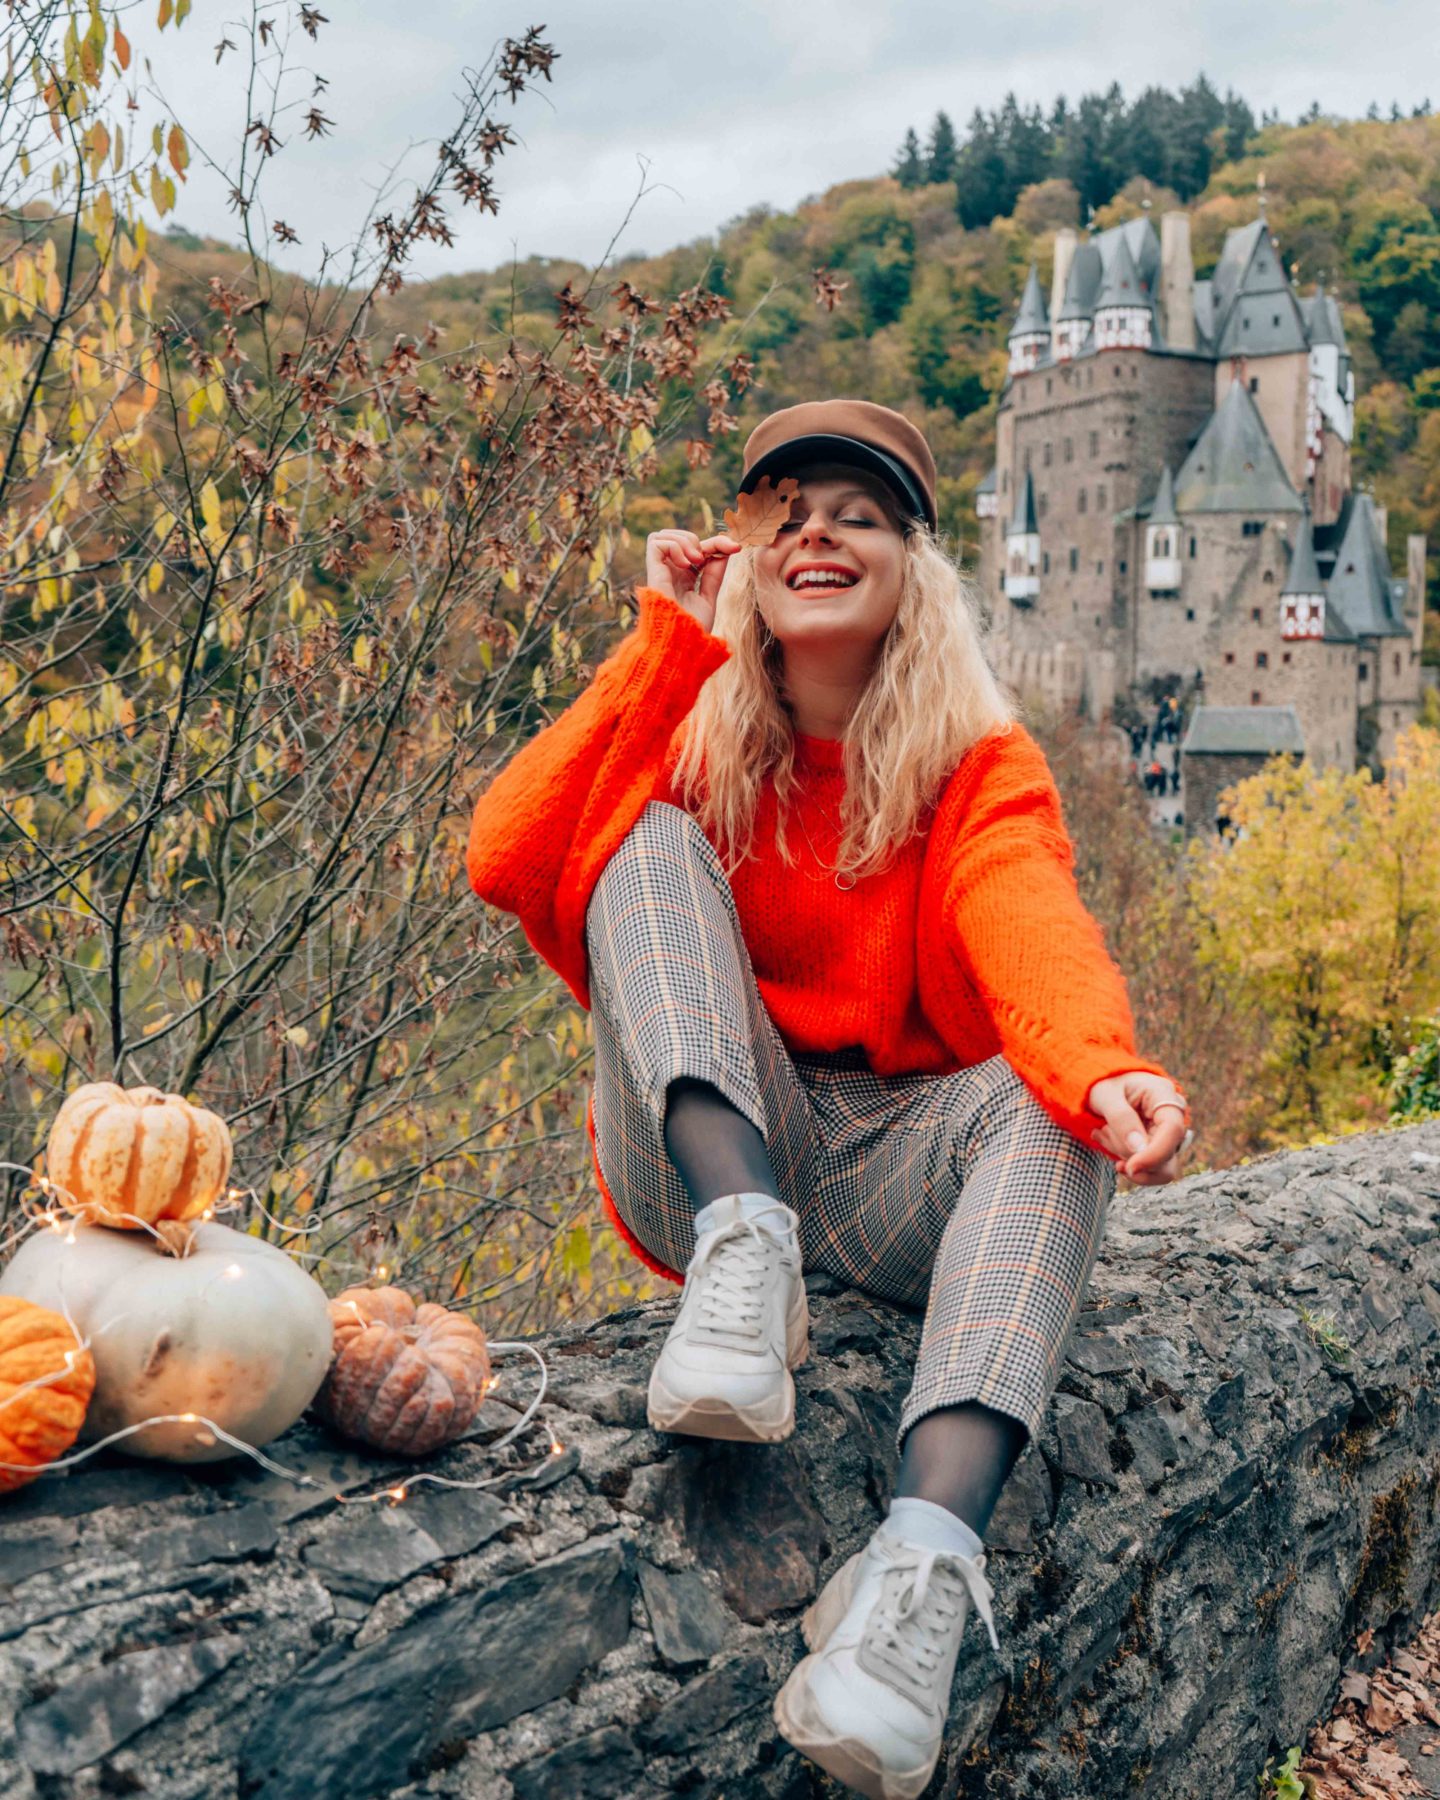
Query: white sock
x=932, y=1527
x=750, y=1204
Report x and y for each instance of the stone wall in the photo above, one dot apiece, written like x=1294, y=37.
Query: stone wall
x=1238, y=1473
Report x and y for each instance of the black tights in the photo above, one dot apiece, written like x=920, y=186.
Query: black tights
x=959, y=1457
x=715, y=1148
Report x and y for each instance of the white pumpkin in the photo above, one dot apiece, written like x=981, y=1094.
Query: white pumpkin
x=234, y=1331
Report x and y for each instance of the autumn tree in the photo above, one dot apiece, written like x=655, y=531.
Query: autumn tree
x=287, y=571
x=1319, y=912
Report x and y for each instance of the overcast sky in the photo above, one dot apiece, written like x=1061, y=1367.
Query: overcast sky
x=734, y=105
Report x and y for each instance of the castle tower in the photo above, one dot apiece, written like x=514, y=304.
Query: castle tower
x=1124, y=314
x=1022, y=546
x=1162, y=539
x=1029, y=338
x=1177, y=281
x=1302, y=599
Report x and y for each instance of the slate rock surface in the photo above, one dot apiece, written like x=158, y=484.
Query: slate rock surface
x=1239, y=1473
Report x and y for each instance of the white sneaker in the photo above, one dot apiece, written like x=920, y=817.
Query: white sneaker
x=870, y=1704
x=724, y=1370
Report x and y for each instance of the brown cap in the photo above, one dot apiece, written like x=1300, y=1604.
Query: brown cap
x=855, y=432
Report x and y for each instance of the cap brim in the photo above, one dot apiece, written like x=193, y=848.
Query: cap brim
x=825, y=447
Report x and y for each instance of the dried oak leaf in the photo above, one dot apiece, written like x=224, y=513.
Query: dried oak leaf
x=756, y=517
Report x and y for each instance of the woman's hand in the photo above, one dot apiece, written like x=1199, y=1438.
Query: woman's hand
x=689, y=569
x=1145, y=1118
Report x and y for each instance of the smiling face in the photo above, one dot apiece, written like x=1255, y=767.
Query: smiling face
x=832, y=577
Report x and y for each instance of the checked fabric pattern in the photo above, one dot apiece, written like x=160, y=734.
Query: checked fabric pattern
x=957, y=1193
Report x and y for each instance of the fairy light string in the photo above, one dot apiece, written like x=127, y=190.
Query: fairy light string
x=55, y=1216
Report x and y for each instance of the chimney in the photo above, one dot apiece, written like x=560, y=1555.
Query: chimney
x=1065, y=241
x=1177, y=281
x=1415, y=586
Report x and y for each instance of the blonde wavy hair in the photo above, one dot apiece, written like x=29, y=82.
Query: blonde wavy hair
x=930, y=697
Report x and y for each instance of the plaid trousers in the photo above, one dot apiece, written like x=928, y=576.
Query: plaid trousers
x=955, y=1192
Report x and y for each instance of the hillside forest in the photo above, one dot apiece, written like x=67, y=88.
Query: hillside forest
x=291, y=567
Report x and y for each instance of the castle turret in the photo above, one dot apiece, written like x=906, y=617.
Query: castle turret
x=1029, y=338
x=1162, y=539
x=1022, y=546
x=1124, y=315
x=1302, y=599
x=1072, y=322
x=1177, y=281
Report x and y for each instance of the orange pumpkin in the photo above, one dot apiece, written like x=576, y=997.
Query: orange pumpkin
x=130, y=1156
x=403, y=1378
x=40, y=1423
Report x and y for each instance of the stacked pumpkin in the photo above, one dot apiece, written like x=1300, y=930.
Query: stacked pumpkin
x=138, y=1306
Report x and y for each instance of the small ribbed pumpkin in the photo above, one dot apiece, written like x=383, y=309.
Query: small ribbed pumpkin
x=130, y=1156
x=403, y=1378
x=38, y=1424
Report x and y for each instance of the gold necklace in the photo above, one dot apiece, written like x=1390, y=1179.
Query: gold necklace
x=848, y=881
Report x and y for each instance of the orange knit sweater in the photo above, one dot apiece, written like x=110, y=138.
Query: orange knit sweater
x=973, y=942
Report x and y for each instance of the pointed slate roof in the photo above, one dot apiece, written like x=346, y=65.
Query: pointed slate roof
x=1083, y=282
x=1032, y=316
x=1234, y=467
x=1122, y=285
x=1023, y=518
x=1322, y=317
x=1162, y=507
x=1258, y=313
x=1304, y=576
x=1361, y=588
x=987, y=485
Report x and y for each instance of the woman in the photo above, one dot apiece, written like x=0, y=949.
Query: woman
x=813, y=883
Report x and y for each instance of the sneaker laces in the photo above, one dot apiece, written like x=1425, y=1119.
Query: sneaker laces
x=914, y=1619
x=731, y=1267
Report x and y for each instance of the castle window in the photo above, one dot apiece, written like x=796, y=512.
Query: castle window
x=1025, y=459
x=1094, y=443
x=1269, y=575
x=1364, y=671
x=1047, y=384
x=1229, y=656
x=1262, y=659
x=1044, y=504
x=1192, y=546
x=1252, y=527
x=1190, y=614
x=1254, y=384
x=1100, y=497
x=1045, y=454
x=1045, y=563
x=1074, y=560
x=1284, y=656
x=1255, y=615
x=1081, y=502
x=1397, y=664
x=1122, y=565
x=1117, y=370
x=1004, y=481
x=1255, y=699
x=1069, y=450
x=1100, y=567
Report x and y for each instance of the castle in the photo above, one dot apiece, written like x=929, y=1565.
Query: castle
x=1171, y=507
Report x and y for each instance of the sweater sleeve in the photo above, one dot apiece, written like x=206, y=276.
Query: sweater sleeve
x=1014, y=916
x=543, y=830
